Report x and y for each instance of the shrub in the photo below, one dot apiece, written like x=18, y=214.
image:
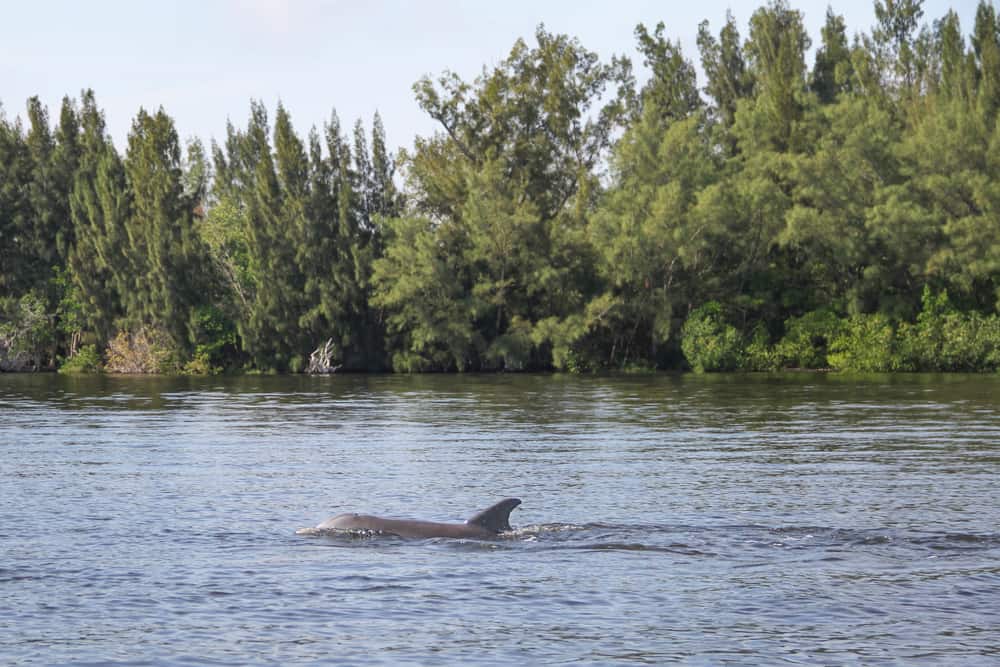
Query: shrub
x=759, y=354
x=201, y=364
x=807, y=340
x=26, y=334
x=708, y=342
x=944, y=339
x=512, y=350
x=216, y=342
x=410, y=362
x=867, y=344
x=86, y=360
x=147, y=351
x=565, y=340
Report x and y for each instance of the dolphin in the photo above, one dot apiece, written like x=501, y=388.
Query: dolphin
x=489, y=523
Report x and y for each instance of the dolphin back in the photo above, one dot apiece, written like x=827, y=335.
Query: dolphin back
x=497, y=517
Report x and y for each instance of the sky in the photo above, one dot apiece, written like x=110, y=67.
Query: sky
x=204, y=60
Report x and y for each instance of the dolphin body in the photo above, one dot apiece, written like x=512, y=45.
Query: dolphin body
x=488, y=523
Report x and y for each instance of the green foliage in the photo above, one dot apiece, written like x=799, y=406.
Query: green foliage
x=776, y=58
x=807, y=339
x=709, y=343
x=17, y=263
x=85, y=361
x=672, y=91
x=498, y=245
x=758, y=354
x=293, y=236
x=893, y=38
x=161, y=286
x=99, y=207
x=563, y=216
x=69, y=307
x=511, y=351
x=832, y=72
x=944, y=339
x=217, y=344
x=867, y=344
x=26, y=334
x=726, y=71
x=421, y=283
x=562, y=336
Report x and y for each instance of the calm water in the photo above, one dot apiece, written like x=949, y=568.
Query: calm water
x=708, y=521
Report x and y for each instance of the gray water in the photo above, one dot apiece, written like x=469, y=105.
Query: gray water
x=713, y=520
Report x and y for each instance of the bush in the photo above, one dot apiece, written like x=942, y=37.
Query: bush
x=511, y=351
x=944, y=339
x=565, y=339
x=201, y=364
x=410, y=362
x=86, y=360
x=867, y=344
x=807, y=340
x=147, y=351
x=217, y=345
x=26, y=334
x=708, y=342
x=759, y=354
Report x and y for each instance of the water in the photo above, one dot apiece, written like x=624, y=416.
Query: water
x=696, y=520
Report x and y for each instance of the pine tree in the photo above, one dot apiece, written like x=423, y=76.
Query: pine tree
x=832, y=72
x=17, y=257
x=386, y=199
x=986, y=47
x=776, y=50
x=163, y=283
x=43, y=194
x=65, y=161
x=722, y=59
x=671, y=90
x=894, y=41
x=99, y=207
x=262, y=333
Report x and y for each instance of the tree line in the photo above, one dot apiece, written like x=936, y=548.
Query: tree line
x=776, y=214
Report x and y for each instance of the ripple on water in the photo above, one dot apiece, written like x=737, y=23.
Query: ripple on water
x=695, y=520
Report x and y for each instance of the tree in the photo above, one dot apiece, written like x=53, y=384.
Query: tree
x=776, y=56
x=294, y=242
x=503, y=190
x=672, y=90
x=840, y=262
x=532, y=112
x=951, y=186
x=386, y=200
x=654, y=255
x=162, y=281
x=16, y=238
x=99, y=207
x=657, y=256
x=832, y=72
x=45, y=200
x=728, y=80
x=893, y=40
x=65, y=162
x=986, y=48
x=421, y=282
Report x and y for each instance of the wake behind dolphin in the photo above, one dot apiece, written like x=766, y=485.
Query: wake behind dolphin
x=485, y=524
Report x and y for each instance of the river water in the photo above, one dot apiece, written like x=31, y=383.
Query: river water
x=716, y=520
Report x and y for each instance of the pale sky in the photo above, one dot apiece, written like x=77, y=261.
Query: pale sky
x=203, y=60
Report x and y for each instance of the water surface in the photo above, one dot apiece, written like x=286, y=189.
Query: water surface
x=715, y=520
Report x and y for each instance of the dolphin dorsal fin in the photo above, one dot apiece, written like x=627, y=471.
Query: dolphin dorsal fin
x=497, y=517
